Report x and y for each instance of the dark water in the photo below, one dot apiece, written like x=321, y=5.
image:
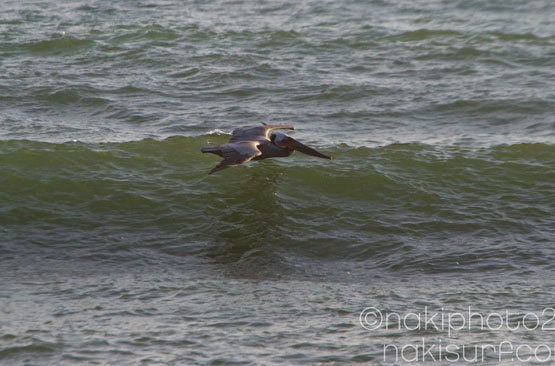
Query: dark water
x=117, y=247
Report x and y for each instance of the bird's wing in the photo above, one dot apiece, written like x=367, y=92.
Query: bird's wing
x=237, y=153
x=256, y=132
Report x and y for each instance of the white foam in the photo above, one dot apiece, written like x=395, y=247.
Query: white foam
x=217, y=132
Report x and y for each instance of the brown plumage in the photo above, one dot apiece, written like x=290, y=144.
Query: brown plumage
x=256, y=143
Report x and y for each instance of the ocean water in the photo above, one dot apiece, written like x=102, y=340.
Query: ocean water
x=117, y=247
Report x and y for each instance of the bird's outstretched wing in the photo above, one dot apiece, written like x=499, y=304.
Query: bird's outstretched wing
x=237, y=153
x=252, y=133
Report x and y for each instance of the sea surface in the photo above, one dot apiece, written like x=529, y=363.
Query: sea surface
x=117, y=247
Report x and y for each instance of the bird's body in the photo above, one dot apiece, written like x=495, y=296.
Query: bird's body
x=271, y=150
x=255, y=143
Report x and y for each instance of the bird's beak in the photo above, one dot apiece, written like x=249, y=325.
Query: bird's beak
x=296, y=145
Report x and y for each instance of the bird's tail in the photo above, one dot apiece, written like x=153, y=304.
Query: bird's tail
x=213, y=150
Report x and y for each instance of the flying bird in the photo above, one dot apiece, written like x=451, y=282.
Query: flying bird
x=257, y=143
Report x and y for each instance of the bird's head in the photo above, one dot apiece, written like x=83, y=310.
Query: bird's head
x=287, y=142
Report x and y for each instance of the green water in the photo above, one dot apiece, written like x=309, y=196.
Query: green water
x=117, y=247
x=412, y=199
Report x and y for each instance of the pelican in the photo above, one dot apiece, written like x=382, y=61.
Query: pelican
x=257, y=143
